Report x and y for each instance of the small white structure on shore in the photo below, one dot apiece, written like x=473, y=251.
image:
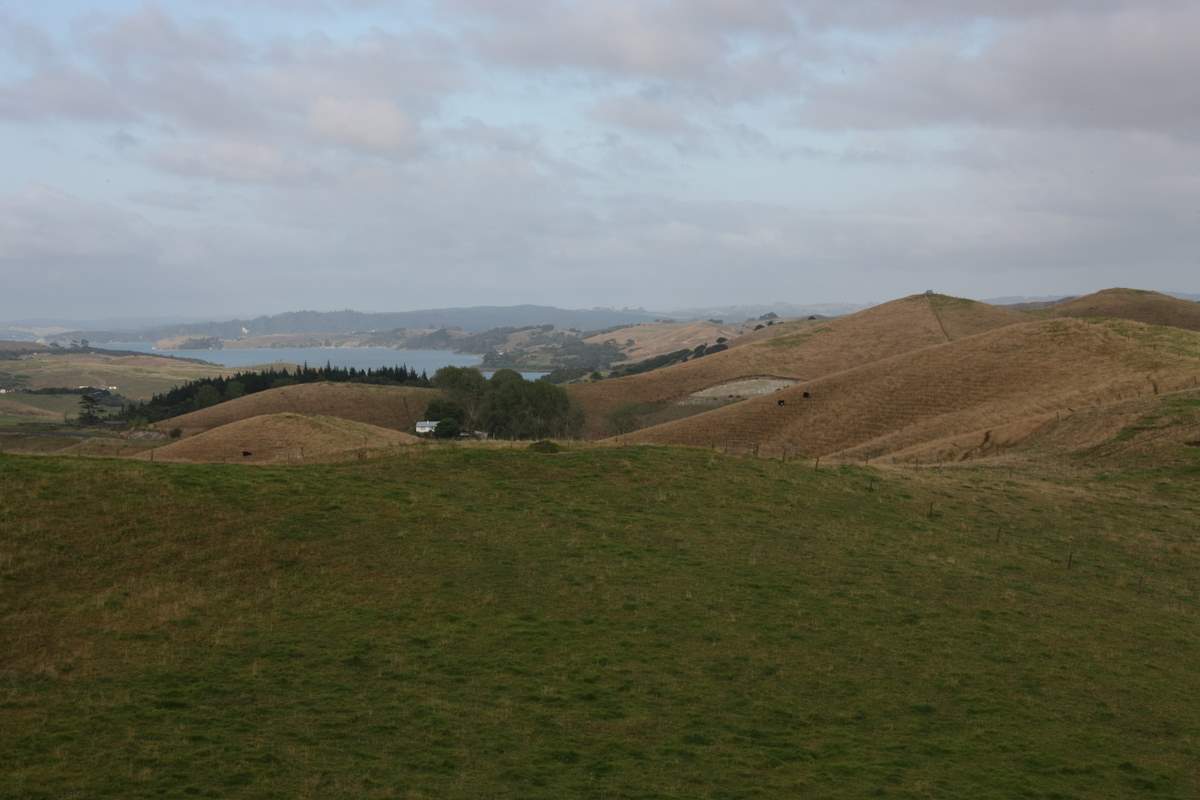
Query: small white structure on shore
x=426, y=427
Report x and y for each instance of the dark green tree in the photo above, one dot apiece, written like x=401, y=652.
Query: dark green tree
x=207, y=396
x=442, y=409
x=447, y=428
x=89, y=409
x=466, y=387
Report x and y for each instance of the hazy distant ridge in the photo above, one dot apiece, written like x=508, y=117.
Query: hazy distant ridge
x=478, y=318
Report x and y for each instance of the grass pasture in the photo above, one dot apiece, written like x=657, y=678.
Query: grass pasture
x=601, y=622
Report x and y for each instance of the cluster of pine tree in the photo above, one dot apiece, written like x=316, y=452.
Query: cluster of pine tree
x=207, y=392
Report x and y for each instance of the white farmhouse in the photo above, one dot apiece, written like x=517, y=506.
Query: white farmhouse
x=426, y=427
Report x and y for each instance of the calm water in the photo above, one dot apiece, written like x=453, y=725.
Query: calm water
x=358, y=357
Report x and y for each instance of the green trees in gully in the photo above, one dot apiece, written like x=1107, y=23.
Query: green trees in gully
x=507, y=406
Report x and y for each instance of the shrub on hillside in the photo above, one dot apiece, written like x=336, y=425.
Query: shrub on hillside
x=441, y=409
x=448, y=428
x=509, y=407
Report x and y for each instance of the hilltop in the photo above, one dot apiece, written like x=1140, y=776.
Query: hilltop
x=395, y=407
x=284, y=437
x=974, y=384
x=1152, y=308
x=650, y=339
x=799, y=351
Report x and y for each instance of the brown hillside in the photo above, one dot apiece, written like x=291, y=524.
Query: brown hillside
x=10, y=347
x=1151, y=308
x=276, y=438
x=978, y=383
x=659, y=338
x=807, y=351
x=396, y=407
x=1158, y=429
x=11, y=407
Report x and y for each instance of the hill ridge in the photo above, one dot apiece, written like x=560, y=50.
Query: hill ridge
x=949, y=388
x=801, y=350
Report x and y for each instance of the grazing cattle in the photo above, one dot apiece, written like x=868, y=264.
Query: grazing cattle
x=782, y=402
x=807, y=396
x=246, y=454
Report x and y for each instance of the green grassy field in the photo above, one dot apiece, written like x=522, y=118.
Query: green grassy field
x=602, y=622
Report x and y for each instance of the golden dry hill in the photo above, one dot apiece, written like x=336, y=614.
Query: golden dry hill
x=285, y=437
x=395, y=407
x=136, y=376
x=1151, y=430
x=1153, y=308
x=659, y=338
x=804, y=351
x=12, y=408
x=969, y=388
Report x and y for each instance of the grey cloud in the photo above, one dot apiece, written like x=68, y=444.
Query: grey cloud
x=676, y=41
x=235, y=161
x=1046, y=150
x=122, y=140
x=643, y=114
x=148, y=35
x=25, y=41
x=1122, y=70
x=63, y=92
x=43, y=225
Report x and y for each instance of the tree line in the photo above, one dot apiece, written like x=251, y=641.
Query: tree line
x=506, y=406
x=205, y=392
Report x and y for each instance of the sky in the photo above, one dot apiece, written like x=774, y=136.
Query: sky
x=234, y=157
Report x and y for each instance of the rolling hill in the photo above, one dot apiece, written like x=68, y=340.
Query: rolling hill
x=969, y=385
x=603, y=622
x=652, y=339
x=395, y=407
x=1145, y=430
x=283, y=437
x=804, y=350
x=1152, y=308
x=137, y=377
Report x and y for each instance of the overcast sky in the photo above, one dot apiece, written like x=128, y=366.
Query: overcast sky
x=244, y=156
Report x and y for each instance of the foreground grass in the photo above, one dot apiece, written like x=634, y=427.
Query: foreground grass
x=596, y=623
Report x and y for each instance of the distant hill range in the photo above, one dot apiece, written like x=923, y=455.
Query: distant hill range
x=473, y=319
x=1045, y=301
x=740, y=313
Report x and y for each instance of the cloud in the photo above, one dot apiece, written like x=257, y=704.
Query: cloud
x=63, y=92
x=1118, y=70
x=40, y=225
x=583, y=152
x=642, y=114
x=235, y=161
x=678, y=41
x=367, y=124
